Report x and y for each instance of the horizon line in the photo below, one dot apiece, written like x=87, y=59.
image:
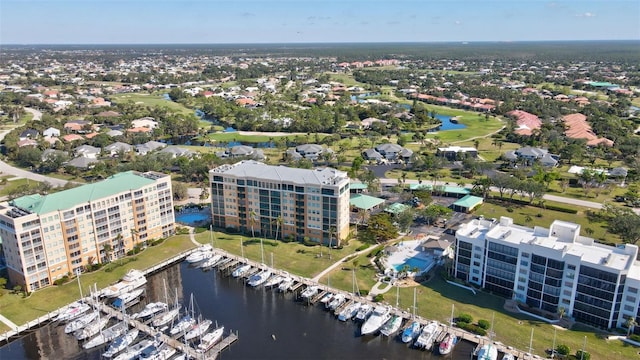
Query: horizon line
x=465, y=42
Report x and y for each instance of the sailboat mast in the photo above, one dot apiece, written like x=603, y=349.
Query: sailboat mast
x=261, y=251
x=241, y=247
x=272, y=260
x=451, y=319
x=79, y=286
x=211, y=234
x=397, y=295
x=414, y=302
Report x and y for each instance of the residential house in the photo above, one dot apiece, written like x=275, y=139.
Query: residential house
x=29, y=134
x=577, y=127
x=51, y=132
x=368, y=122
x=149, y=146
x=87, y=151
x=82, y=162
x=145, y=122
x=117, y=148
x=312, y=151
x=78, y=126
x=388, y=151
x=528, y=155
x=525, y=121
x=177, y=151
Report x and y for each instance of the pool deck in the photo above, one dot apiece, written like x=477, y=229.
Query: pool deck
x=407, y=250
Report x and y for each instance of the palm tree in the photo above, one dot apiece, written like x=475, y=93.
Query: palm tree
x=561, y=311
x=332, y=232
x=630, y=323
x=107, y=251
x=279, y=222
x=252, y=222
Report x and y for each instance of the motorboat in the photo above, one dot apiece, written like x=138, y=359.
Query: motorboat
x=211, y=262
x=200, y=254
x=165, y=317
x=273, y=281
x=210, y=339
x=411, y=332
x=363, y=312
x=106, y=335
x=91, y=329
x=259, y=278
x=309, y=292
x=240, y=270
x=124, y=299
x=80, y=322
x=198, y=329
x=182, y=325
x=150, y=309
x=349, y=312
x=157, y=352
x=427, y=336
x=391, y=326
x=375, y=321
x=335, y=302
x=286, y=284
x=72, y=311
x=121, y=342
x=134, y=351
x=447, y=344
x=326, y=299
x=508, y=357
x=487, y=352
x=132, y=280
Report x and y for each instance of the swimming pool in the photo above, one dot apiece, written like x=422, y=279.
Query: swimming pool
x=414, y=262
x=192, y=218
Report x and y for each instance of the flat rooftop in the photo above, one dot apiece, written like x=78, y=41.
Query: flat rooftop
x=257, y=170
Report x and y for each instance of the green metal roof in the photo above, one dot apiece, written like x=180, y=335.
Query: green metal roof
x=358, y=186
x=396, y=208
x=469, y=202
x=67, y=199
x=365, y=202
x=446, y=188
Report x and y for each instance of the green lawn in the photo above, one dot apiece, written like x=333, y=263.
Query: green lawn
x=234, y=136
x=151, y=100
x=10, y=186
x=293, y=257
x=21, y=310
x=520, y=213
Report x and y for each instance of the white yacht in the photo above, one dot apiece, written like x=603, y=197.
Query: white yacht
x=134, y=351
x=309, y=292
x=80, y=322
x=210, y=339
x=200, y=254
x=508, y=357
x=411, y=332
x=364, y=312
x=392, y=326
x=91, y=329
x=487, y=352
x=427, y=336
x=349, y=312
x=379, y=316
x=273, y=281
x=165, y=317
x=124, y=299
x=150, y=309
x=286, y=284
x=259, y=278
x=182, y=325
x=198, y=329
x=337, y=301
x=211, y=262
x=447, y=344
x=157, y=352
x=240, y=270
x=326, y=299
x=121, y=343
x=132, y=280
x=72, y=311
x=106, y=335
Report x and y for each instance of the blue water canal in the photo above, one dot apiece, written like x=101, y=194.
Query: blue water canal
x=271, y=325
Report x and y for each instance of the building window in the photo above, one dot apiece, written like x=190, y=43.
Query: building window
x=632, y=290
x=476, y=271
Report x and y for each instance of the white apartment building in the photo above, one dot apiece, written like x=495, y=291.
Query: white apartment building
x=551, y=268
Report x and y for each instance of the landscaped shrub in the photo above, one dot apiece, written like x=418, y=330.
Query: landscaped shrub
x=583, y=356
x=485, y=324
x=473, y=328
x=465, y=318
x=364, y=292
x=563, y=349
x=634, y=337
x=378, y=298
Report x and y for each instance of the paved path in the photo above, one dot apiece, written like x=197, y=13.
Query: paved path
x=8, y=322
x=340, y=262
x=37, y=115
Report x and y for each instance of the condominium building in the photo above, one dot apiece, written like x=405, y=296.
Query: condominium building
x=47, y=237
x=551, y=269
x=280, y=202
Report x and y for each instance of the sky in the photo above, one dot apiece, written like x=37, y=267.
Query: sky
x=309, y=21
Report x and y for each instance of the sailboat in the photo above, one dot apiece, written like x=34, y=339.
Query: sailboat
x=394, y=324
x=413, y=330
x=450, y=340
x=106, y=335
x=488, y=351
x=185, y=323
x=121, y=343
x=198, y=329
x=75, y=309
x=210, y=339
x=169, y=314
